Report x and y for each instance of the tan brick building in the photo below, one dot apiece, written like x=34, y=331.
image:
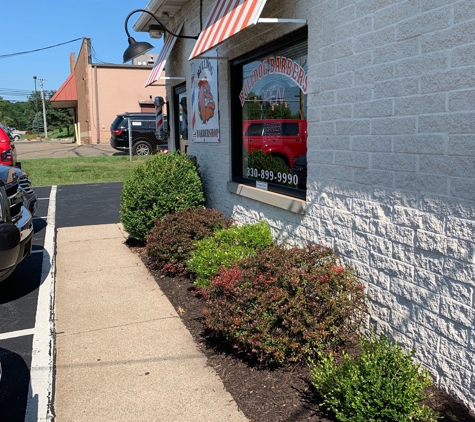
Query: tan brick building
x=98, y=92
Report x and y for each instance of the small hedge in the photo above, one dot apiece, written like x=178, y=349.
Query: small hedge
x=381, y=384
x=282, y=305
x=164, y=184
x=226, y=247
x=171, y=241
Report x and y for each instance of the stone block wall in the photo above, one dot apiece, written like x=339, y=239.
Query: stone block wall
x=391, y=162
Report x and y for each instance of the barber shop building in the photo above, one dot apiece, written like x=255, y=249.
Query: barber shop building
x=349, y=123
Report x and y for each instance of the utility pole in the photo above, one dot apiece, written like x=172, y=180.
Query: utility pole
x=36, y=110
x=44, y=108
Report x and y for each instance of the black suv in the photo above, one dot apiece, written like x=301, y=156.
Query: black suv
x=144, y=140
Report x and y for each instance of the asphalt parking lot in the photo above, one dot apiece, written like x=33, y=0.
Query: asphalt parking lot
x=24, y=394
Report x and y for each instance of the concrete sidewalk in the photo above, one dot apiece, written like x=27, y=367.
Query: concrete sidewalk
x=122, y=352
x=61, y=148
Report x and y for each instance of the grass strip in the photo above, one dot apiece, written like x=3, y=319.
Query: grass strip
x=79, y=170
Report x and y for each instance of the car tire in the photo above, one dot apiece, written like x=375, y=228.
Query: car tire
x=17, y=137
x=142, y=148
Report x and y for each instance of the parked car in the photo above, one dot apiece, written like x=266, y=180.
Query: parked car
x=144, y=139
x=285, y=140
x=30, y=198
x=16, y=223
x=13, y=133
x=300, y=169
x=7, y=149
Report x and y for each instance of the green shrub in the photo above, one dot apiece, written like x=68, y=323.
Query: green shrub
x=381, y=384
x=170, y=242
x=226, y=247
x=282, y=305
x=164, y=184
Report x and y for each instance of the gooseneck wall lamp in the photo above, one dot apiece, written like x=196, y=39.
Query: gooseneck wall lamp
x=136, y=49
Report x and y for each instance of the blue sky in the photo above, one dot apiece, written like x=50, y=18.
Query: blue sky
x=30, y=25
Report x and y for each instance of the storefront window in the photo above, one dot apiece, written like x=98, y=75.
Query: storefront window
x=273, y=128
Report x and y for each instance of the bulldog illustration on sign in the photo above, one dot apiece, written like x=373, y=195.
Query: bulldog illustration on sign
x=206, y=104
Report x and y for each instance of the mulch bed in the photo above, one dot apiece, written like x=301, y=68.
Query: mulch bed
x=280, y=395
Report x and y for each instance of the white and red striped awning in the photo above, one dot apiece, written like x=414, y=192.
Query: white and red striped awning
x=227, y=18
x=163, y=57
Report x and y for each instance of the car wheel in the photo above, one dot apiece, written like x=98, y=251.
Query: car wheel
x=142, y=148
x=16, y=137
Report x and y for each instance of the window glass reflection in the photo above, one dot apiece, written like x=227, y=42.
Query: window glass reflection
x=274, y=110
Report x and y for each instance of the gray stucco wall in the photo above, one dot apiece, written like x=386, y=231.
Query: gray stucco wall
x=391, y=151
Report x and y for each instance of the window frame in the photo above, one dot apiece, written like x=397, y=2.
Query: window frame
x=236, y=74
x=177, y=91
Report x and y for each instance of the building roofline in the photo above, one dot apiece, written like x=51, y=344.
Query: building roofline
x=122, y=66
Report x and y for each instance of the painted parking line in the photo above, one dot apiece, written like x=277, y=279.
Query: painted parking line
x=39, y=404
x=15, y=334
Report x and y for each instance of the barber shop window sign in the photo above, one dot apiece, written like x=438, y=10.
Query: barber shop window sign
x=204, y=98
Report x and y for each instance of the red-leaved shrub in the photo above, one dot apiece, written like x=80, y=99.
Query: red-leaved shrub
x=285, y=304
x=171, y=240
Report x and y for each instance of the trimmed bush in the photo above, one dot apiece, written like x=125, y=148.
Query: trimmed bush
x=381, y=384
x=226, y=247
x=171, y=241
x=164, y=184
x=282, y=305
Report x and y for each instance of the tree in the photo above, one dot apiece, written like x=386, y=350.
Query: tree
x=58, y=118
x=14, y=114
x=35, y=116
x=28, y=115
x=255, y=108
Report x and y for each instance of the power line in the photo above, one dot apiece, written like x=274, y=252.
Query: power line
x=14, y=91
x=96, y=56
x=4, y=56
x=14, y=95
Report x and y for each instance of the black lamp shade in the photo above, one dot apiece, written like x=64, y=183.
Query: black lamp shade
x=136, y=49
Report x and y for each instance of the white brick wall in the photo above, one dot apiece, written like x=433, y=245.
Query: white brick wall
x=391, y=151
